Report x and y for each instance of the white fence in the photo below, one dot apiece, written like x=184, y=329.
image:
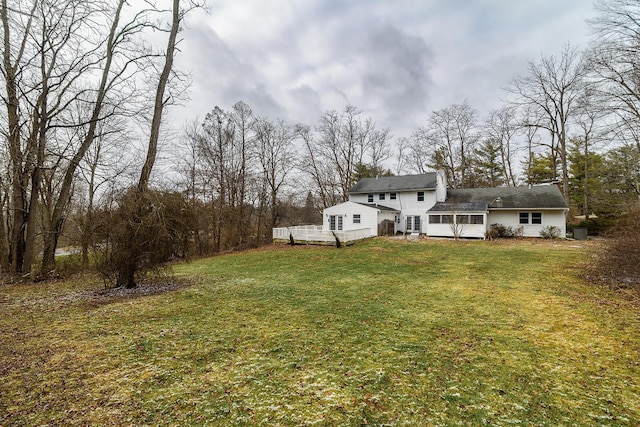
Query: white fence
x=314, y=234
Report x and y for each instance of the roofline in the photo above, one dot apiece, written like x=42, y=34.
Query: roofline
x=501, y=209
x=394, y=191
x=376, y=206
x=529, y=209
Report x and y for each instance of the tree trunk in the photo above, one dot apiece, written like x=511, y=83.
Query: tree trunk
x=4, y=248
x=18, y=200
x=158, y=107
x=40, y=120
x=586, y=178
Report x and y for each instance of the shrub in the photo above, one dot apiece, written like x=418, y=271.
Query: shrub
x=499, y=230
x=550, y=232
x=617, y=262
x=144, y=231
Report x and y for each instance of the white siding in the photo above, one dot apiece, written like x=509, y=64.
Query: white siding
x=406, y=202
x=368, y=217
x=511, y=218
x=466, y=230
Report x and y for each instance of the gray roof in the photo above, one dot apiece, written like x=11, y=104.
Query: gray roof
x=388, y=184
x=377, y=206
x=459, y=207
x=536, y=197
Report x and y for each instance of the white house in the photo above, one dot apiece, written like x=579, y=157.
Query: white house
x=422, y=204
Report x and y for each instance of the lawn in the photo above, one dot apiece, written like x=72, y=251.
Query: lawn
x=385, y=332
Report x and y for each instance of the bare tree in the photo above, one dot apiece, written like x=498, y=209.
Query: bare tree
x=243, y=119
x=550, y=90
x=108, y=78
x=378, y=149
x=13, y=56
x=589, y=122
x=419, y=157
x=51, y=49
x=193, y=182
x=343, y=142
x=613, y=59
x=502, y=126
x=177, y=16
x=401, y=157
x=320, y=172
x=529, y=128
x=276, y=153
x=222, y=148
x=450, y=138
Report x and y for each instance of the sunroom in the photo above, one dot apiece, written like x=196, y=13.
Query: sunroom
x=456, y=220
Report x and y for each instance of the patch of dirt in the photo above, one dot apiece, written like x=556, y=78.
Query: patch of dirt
x=98, y=297
x=144, y=289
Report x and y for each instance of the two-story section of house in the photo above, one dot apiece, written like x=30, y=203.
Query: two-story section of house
x=388, y=205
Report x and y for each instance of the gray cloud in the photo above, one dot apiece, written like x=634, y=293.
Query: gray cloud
x=397, y=71
x=222, y=77
x=396, y=61
x=306, y=103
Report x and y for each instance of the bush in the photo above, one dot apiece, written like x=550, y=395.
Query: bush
x=499, y=230
x=141, y=233
x=617, y=262
x=550, y=232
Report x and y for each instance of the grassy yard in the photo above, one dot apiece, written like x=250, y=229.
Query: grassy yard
x=385, y=332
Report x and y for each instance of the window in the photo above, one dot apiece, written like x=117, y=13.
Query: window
x=339, y=222
x=370, y=198
x=421, y=196
x=476, y=219
x=409, y=223
x=356, y=218
x=447, y=219
x=470, y=219
x=381, y=196
x=462, y=219
x=434, y=219
x=392, y=196
x=536, y=217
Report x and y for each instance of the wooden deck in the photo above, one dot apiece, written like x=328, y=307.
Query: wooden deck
x=315, y=235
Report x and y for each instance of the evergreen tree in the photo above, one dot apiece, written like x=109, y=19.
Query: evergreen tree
x=621, y=178
x=363, y=170
x=488, y=169
x=541, y=170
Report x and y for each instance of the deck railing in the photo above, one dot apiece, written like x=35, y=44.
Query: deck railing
x=315, y=234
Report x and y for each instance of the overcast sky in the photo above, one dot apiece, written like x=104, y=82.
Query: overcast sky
x=395, y=60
